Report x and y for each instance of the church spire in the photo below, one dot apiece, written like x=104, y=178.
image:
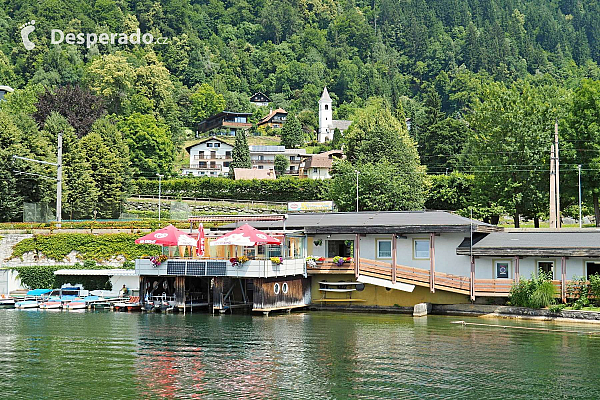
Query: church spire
x=325, y=96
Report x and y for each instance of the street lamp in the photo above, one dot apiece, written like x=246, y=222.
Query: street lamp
x=159, y=190
x=356, y=188
x=579, y=185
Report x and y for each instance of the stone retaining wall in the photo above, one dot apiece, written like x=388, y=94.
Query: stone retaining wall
x=508, y=311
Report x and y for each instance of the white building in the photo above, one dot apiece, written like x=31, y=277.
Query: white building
x=327, y=125
x=263, y=157
x=209, y=157
x=318, y=166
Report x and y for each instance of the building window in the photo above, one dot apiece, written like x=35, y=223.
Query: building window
x=209, y=145
x=260, y=167
x=228, y=154
x=384, y=249
x=421, y=249
x=292, y=158
x=261, y=158
x=241, y=120
x=292, y=168
x=327, y=107
x=315, y=170
x=217, y=145
x=342, y=248
x=592, y=268
x=226, y=164
x=502, y=268
x=546, y=266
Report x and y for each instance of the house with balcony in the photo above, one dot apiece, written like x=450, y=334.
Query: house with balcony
x=318, y=166
x=260, y=99
x=225, y=123
x=275, y=119
x=209, y=157
x=263, y=157
x=377, y=260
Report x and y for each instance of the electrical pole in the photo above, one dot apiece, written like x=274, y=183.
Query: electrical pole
x=557, y=176
x=357, y=189
x=579, y=185
x=552, y=189
x=159, y=190
x=59, y=181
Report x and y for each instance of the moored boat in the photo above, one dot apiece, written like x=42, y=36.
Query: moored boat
x=82, y=303
x=6, y=301
x=133, y=304
x=33, y=298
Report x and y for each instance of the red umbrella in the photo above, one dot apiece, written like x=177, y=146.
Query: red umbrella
x=245, y=235
x=167, y=236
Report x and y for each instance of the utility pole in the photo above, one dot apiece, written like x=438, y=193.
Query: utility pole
x=58, y=178
x=159, y=190
x=59, y=181
x=557, y=176
x=579, y=185
x=552, y=189
x=555, y=181
x=357, y=189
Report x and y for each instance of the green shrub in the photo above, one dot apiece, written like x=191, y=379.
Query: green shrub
x=537, y=292
x=594, y=289
x=557, y=308
x=42, y=276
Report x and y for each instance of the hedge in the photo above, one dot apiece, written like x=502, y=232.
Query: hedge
x=42, y=276
x=133, y=225
x=91, y=247
x=282, y=189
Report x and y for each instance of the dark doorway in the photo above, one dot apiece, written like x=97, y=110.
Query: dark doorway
x=592, y=268
x=341, y=248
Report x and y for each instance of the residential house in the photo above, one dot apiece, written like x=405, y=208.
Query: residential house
x=225, y=123
x=263, y=157
x=253, y=173
x=4, y=90
x=275, y=119
x=318, y=166
x=327, y=125
x=209, y=157
x=260, y=99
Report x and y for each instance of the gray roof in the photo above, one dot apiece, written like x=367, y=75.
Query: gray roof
x=376, y=222
x=341, y=124
x=583, y=243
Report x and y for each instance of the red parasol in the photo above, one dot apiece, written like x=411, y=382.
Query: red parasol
x=167, y=236
x=245, y=235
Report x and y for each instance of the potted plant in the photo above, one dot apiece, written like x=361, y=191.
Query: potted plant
x=157, y=260
x=238, y=261
x=277, y=260
x=337, y=260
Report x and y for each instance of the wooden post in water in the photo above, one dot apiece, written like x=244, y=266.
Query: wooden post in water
x=180, y=291
x=432, y=262
x=472, y=282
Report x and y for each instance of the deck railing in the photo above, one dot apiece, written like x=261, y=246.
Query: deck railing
x=329, y=267
x=445, y=281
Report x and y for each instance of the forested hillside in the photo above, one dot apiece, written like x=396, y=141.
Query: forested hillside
x=481, y=81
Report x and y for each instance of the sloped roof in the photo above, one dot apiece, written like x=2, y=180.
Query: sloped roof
x=258, y=98
x=341, y=124
x=206, y=140
x=325, y=96
x=271, y=115
x=377, y=222
x=583, y=243
x=252, y=173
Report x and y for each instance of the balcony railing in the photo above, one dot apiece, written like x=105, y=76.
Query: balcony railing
x=216, y=167
x=212, y=157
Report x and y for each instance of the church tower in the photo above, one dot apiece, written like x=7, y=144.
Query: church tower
x=325, y=118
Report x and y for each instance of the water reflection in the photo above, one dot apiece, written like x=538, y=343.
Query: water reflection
x=304, y=355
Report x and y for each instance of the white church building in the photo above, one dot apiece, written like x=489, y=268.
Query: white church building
x=327, y=125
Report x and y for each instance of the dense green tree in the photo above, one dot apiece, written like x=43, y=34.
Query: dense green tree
x=584, y=133
x=204, y=102
x=151, y=150
x=292, y=136
x=281, y=164
x=241, y=153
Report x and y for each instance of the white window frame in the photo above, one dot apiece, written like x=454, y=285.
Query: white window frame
x=378, y=254
x=414, y=248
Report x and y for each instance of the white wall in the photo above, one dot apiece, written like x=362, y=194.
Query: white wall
x=322, y=173
x=219, y=152
x=485, y=266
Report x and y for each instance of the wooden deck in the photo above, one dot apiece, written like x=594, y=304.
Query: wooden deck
x=329, y=267
x=443, y=281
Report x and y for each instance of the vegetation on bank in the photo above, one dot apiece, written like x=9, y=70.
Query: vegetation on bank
x=90, y=247
x=42, y=276
x=537, y=292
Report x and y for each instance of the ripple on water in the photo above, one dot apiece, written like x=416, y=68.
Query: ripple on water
x=309, y=355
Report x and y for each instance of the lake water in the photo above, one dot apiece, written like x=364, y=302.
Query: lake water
x=108, y=355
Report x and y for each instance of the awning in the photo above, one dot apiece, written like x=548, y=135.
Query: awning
x=245, y=235
x=96, y=272
x=167, y=236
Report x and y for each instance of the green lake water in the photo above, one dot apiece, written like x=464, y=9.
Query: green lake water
x=108, y=355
